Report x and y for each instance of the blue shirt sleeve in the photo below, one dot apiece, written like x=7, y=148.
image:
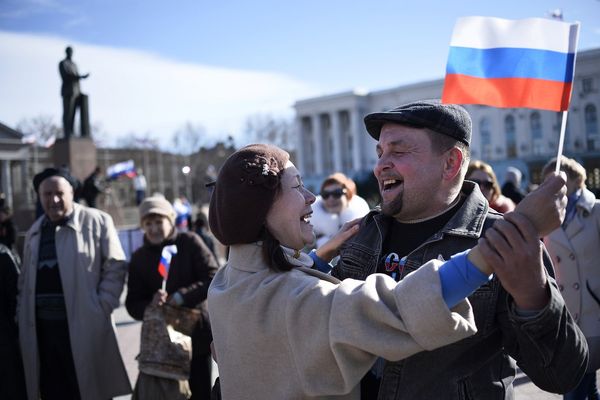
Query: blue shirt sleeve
x=320, y=264
x=459, y=278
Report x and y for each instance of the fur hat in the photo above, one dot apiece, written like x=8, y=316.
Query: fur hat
x=244, y=192
x=448, y=119
x=157, y=205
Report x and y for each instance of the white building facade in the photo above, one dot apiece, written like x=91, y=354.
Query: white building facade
x=331, y=135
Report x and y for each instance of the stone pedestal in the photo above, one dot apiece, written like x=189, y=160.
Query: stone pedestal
x=77, y=153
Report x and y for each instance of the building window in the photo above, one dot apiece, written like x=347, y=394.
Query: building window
x=486, y=138
x=593, y=180
x=535, y=122
x=587, y=85
x=591, y=127
x=567, y=143
x=511, y=136
x=535, y=125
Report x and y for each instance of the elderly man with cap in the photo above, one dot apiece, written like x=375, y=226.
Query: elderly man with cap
x=190, y=272
x=428, y=211
x=73, y=274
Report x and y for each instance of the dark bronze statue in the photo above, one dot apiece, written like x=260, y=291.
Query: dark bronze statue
x=72, y=96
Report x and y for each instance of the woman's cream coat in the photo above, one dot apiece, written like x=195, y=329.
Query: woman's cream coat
x=92, y=270
x=575, y=254
x=304, y=335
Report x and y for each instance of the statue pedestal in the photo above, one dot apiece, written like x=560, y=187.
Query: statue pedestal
x=76, y=153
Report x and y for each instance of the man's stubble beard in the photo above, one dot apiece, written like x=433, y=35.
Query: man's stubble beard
x=394, y=207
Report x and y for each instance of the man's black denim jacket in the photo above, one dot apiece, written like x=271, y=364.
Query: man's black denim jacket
x=548, y=347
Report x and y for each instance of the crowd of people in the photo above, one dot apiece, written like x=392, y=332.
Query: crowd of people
x=440, y=291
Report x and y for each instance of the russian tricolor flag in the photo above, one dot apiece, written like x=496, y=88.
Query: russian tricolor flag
x=511, y=63
x=165, y=260
x=124, y=168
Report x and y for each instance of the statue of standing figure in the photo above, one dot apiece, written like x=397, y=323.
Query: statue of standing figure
x=72, y=96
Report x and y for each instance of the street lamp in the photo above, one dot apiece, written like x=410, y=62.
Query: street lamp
x=188, y=182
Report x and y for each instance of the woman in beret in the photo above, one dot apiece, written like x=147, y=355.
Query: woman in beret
x=284, y=330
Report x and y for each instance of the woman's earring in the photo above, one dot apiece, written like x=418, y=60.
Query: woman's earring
x=296, y=254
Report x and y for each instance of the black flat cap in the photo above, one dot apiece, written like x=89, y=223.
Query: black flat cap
x=448, y=119
x=48, y=172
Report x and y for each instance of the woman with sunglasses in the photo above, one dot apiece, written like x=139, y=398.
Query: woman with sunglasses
x=483, y=174
x=337, y=204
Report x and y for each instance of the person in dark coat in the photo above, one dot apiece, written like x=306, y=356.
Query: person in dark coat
x=512, y=186
x=201, y=229
x=92, y=187
x=7, y=228
x=12, y=383
x=191, y=271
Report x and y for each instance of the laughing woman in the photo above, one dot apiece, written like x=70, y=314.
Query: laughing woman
x=283, y=330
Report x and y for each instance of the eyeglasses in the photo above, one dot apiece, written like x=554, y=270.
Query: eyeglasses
x=337, y=193
x=484, y=184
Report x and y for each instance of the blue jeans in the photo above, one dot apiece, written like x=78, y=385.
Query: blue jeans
x=586, y=389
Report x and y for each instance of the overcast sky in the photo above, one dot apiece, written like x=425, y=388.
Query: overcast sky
x=156, y=65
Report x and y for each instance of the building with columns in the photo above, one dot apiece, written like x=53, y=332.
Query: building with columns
x=14, y=162
x=331, y=134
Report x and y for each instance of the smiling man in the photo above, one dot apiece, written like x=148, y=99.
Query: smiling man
x=73, y=274
x=428, y=211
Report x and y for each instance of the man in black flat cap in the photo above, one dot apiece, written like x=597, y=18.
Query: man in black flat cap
x=428, y=211
x=72, y=275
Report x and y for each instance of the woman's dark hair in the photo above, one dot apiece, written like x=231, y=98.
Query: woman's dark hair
x=272, y=250
x=273, y=253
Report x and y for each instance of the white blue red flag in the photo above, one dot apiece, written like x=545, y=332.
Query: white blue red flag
x=511, y=63
x=124, y=168
x=165, y=260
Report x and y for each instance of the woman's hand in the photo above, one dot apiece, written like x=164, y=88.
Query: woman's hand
x=160, y=297
x=330, y=248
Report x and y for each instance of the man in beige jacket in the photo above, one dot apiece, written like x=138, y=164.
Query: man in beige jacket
x=73, y=274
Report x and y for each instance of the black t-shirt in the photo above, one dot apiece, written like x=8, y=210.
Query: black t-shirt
x=403, y=238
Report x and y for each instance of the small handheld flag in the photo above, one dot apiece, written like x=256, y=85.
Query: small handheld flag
x=511, y=63
x=165, y=261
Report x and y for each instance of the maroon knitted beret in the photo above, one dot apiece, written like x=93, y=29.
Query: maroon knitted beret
x=244, y=192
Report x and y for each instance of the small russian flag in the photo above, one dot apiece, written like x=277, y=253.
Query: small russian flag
x=511, y=63
x=126, y=168
x=165, y=260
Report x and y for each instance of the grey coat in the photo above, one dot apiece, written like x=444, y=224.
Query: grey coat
x=92, y=265
x=575, y=253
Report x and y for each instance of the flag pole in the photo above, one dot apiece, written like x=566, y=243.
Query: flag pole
x=561, y=140
x=164, y=285
x=563, y=123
